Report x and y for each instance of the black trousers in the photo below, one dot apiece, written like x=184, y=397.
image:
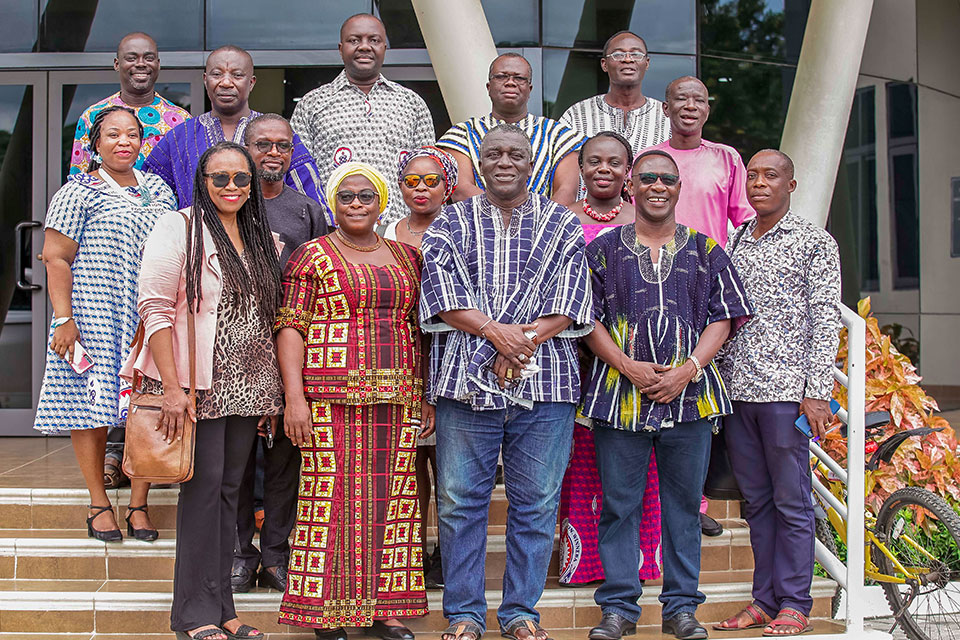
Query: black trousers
x=206, y=523
x=281, y=475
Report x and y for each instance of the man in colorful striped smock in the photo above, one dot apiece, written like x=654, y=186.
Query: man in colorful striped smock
x=555, y=172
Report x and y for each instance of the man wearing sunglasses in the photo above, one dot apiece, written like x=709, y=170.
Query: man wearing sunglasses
x=229, y=79
x=714, y=197
x=623, y=108
x=296, y=219
x=361, y=116
x=664, y=299
x=556, y=173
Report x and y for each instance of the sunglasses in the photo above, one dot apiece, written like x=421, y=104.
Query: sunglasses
x=366, y=196
x=264, y=146
x=222, y=178
x=648, y=178
x=411, y=180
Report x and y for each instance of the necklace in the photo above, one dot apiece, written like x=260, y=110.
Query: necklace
x=357, y=247
x=602, y=217
x=411, y=231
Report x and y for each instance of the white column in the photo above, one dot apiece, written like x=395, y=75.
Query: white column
x=461, y=49
x=823, y=92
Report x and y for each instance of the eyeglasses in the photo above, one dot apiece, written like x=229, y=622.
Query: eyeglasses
x=503, y=78
x=411, y=180
x=264, y=146
x=222, y=178
x=648, y=178
x=620, y=56
x=366, y=196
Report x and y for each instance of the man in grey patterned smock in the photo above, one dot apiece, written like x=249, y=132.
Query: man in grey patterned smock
x=623, y=109
x=777, y=366
x=361, y=115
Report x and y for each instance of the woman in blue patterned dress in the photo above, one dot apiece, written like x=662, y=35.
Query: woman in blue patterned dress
x=96, y=225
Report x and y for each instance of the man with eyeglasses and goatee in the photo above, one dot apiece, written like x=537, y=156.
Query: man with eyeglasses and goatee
x=623, y=108
x=296, y=219
x=556, y=173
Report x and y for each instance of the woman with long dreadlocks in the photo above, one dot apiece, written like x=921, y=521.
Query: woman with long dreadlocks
x=218, y=260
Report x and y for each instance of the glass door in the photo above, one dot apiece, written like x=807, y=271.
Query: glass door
x=23, y=316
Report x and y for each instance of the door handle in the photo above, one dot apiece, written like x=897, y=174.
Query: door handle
x=22, y=284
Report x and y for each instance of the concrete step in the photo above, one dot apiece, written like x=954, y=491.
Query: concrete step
x=25, y=508
x=143, y=607
x=68, y=554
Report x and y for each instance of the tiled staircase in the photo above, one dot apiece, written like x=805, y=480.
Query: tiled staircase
x=55, y=582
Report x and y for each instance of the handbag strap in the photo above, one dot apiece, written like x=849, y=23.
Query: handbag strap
x=138, y=340
x=736, y=240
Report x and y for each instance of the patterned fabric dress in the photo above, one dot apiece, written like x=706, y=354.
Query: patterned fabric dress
x=356, y=553
x=110, y=231
x=581, y=501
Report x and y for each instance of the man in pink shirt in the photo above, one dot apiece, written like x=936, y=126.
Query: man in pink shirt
x=714, y=177
x=714, y=191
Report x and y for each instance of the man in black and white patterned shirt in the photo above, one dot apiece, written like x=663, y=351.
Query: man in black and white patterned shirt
x=777, y=366
x=362, y=116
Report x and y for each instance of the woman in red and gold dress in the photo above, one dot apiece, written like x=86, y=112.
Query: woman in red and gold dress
x=349, y=349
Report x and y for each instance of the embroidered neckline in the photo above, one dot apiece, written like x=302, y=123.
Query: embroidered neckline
x=489, y=209
x=660, y=273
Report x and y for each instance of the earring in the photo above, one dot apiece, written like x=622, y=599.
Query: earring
x=97, y=158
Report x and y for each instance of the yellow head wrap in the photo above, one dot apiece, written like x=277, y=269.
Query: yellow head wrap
x=348, y=169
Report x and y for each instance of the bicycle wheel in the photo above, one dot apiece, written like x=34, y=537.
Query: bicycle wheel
x=824, y=532
x=928, y=606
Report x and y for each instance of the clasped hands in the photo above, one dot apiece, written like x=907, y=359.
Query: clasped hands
x=659, y=382
x=514, y=349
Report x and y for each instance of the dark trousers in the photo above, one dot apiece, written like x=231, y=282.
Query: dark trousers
x=206, y=523
x=281, y=474
x=683, y=452
x=771, y=462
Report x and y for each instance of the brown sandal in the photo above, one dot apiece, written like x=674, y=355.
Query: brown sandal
x=756, y=614
x=462, y=630
x=536, y=631
x=790, y=618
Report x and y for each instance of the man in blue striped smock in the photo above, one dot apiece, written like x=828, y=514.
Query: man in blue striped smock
x=555, y=173
x=506, y=288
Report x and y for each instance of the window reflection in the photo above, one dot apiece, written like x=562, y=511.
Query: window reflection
x=16, y=181
x=904, y=205
x=18, y=29
x=513, y=23
x=571, y=76
x=667, y=25
x=291, y=24
x=860, y=162
x=98, y=25
x=748, y=103
x=769, y=30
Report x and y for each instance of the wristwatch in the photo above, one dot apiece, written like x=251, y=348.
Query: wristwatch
x=699, y=375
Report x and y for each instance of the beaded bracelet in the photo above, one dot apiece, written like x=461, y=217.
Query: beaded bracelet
x=59, y=322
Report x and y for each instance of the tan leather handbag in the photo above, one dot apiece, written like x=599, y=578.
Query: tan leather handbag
x=146, y=455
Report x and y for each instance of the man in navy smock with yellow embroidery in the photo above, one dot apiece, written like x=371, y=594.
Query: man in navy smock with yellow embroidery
x=664, y=298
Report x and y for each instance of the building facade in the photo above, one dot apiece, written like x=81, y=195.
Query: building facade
x=896, y=209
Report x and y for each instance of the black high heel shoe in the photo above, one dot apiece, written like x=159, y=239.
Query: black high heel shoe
x=113, y=535
x=147, y=535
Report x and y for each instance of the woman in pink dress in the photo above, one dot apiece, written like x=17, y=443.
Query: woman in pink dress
x=605, y=162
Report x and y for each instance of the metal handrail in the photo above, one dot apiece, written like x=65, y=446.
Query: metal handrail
x=854, y=379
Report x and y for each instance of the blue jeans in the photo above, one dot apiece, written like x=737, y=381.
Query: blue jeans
x=683, y=452
x=536, y=448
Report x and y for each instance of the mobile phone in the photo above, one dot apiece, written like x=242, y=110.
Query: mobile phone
x=803, y=425
x=81, y=359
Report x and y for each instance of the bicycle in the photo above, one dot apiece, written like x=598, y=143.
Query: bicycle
x=921, y=584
